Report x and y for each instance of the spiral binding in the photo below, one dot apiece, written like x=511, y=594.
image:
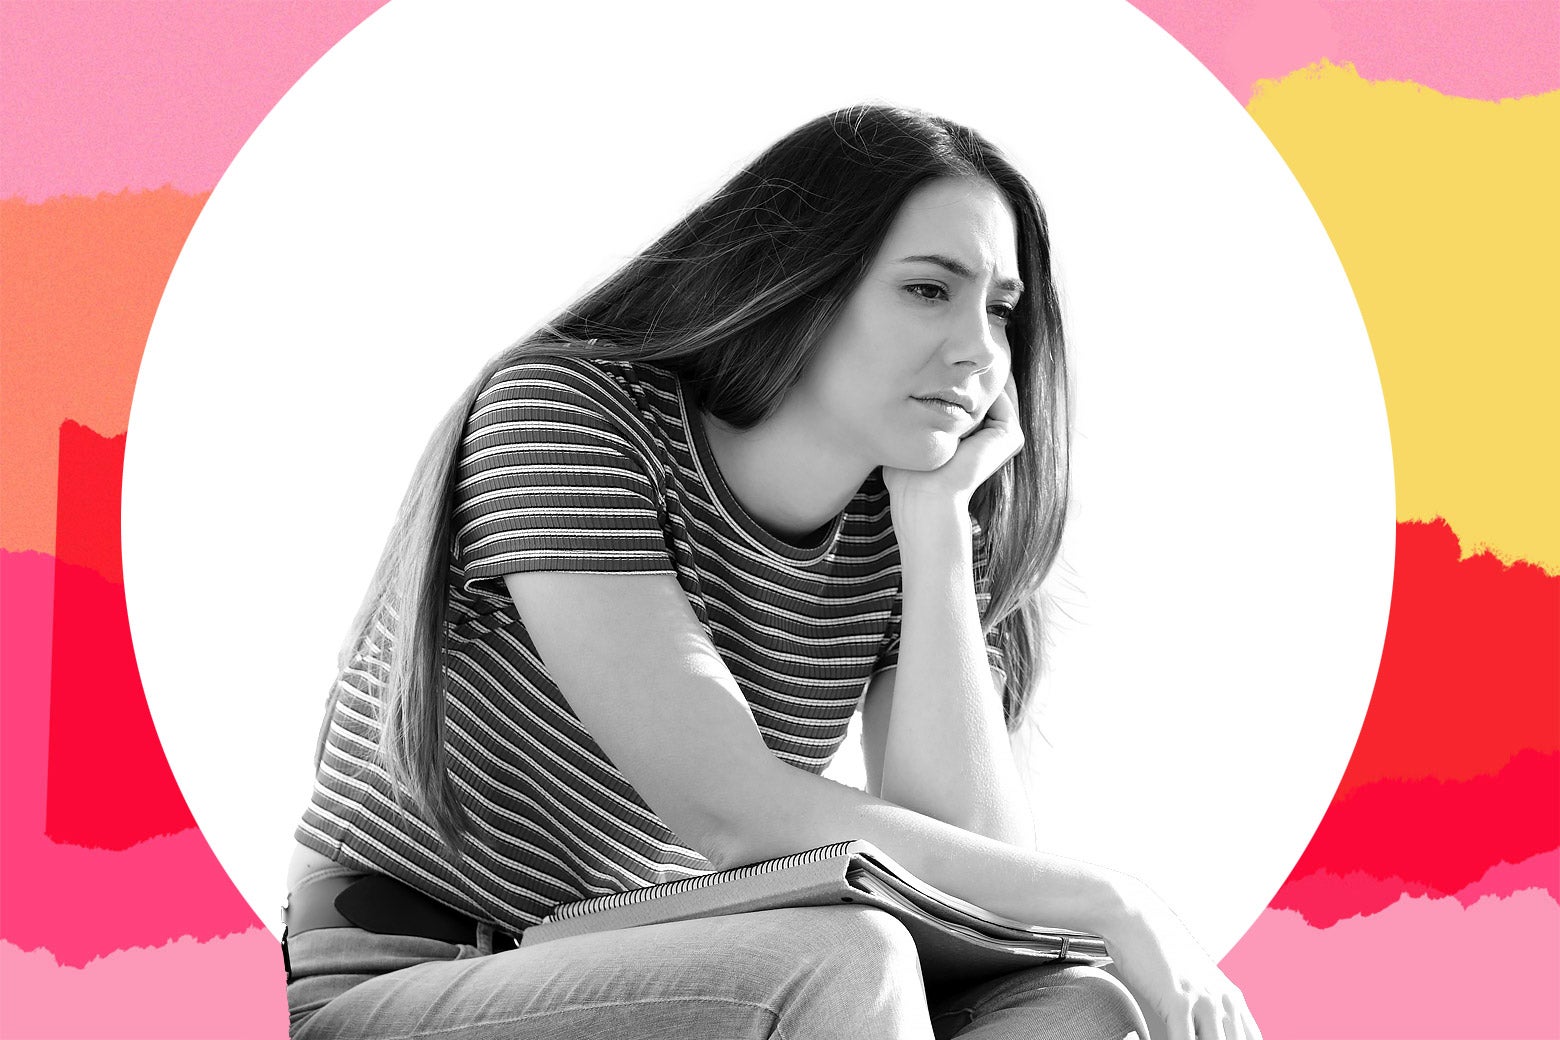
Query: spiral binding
x=614, y=900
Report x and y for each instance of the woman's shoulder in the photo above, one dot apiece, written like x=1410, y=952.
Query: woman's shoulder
x=632, y=403
x=605, y=380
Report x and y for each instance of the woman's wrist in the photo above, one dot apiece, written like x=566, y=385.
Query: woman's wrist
x=932, y=529
x=1106, y=902
x=1128, y=905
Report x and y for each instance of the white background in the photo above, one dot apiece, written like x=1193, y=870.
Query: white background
x=448, y=176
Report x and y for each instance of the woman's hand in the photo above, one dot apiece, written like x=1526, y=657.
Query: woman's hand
x=1165, y=968
x=980, y=454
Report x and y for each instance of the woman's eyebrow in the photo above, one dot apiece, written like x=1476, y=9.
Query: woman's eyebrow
x=961, y=269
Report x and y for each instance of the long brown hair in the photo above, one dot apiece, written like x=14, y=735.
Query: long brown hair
x=734, y=298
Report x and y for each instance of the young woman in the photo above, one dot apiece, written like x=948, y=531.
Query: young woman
x=807, y=451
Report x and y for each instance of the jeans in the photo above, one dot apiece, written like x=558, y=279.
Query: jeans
x=794, y=974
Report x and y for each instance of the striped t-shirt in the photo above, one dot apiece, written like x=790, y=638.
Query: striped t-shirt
x=602, y=466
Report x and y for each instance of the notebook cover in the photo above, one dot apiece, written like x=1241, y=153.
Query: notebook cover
x=957, y=941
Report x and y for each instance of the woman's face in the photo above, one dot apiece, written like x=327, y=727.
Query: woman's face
x=920, y=351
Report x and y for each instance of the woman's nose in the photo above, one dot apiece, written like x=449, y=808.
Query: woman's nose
x=977, y=343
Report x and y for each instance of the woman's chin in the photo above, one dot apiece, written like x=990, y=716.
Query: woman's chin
x=923, y=453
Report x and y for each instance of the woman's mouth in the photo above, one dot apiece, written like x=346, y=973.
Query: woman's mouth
x=942, y=406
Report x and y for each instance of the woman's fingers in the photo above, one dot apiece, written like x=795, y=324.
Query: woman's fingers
x=1249, y=1022
x=1002, y=427
x=1004, y=410
x=1234, y=1018
x=1209, y=1017
x=1006, y=403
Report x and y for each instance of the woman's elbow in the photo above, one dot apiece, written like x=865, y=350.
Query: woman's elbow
x=726, y=855
x=722, y=825
x=717, y=842
x=756, y=816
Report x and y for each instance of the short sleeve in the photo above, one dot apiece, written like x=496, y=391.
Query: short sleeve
x=888, y=657
x=555, y=473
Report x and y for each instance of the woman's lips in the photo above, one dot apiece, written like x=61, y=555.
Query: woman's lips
x=947, y=409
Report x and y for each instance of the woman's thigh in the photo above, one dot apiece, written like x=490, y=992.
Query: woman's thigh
x=1059, y=1002
x=797, y=973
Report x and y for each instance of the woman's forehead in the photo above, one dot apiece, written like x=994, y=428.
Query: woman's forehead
x=962, y=219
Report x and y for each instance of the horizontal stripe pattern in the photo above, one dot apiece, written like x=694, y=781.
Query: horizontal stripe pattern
x=602, y=467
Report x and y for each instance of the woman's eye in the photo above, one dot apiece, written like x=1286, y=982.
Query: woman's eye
x=927, y=291
x=1002, y=312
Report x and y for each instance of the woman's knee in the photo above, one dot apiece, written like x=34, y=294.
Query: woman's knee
x=862, y=977
x=1108, y=1004
x=861, y=939
x=867, y=927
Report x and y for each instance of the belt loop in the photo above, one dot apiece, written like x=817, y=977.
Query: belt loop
x=484, y=938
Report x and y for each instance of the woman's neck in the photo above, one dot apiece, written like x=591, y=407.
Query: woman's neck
x=787, y=478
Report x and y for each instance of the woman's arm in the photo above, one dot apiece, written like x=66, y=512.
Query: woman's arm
x=932, y=730
x=946, y=751
x=642, y=675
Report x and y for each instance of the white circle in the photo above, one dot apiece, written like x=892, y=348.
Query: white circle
x=447, y=177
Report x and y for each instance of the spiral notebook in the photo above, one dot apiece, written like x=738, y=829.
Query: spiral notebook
x=957, y=941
